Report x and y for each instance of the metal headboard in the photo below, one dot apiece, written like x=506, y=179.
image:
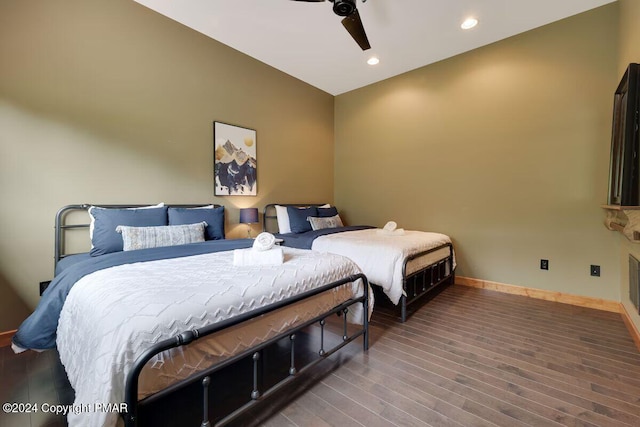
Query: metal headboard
x=270, y=219
x=61, y=227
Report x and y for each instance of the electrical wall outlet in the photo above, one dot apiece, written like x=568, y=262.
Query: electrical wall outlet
x=544, y=264
x=43, y=286
x=595, y=270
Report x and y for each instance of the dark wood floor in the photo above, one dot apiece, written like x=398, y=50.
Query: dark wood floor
x=32, y=377
x=470, y=357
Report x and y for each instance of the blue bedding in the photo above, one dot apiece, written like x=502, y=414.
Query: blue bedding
x=69, y=260
x=38, y=331
x=305, y=240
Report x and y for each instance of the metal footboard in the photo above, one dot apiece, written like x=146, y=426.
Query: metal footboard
x=420, y=282
x=132, y=418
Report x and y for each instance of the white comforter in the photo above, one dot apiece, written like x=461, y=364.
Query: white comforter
x=381, y=256
x=111, y=316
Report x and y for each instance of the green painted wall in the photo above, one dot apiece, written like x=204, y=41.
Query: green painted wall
x=110, y=102
x=504, y=148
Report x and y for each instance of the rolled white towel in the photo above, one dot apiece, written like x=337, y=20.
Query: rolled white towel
x=264, y=241
x=396, y=232
x=390, y=226
x=245, y=257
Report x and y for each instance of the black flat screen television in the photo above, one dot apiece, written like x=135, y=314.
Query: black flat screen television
x=624, y=168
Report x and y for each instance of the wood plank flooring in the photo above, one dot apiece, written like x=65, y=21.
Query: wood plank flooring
x=33, y=377
x=470, y=357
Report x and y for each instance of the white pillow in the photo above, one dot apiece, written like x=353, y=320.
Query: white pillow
x=318, y=223
x=283, y=217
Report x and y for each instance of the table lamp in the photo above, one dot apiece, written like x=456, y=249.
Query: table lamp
x=249, y=216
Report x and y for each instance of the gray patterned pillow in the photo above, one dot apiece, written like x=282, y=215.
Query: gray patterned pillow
x=153, y=237
x=325, y=222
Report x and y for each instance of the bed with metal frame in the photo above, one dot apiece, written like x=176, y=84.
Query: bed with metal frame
x=417, y=283
x=191, y=401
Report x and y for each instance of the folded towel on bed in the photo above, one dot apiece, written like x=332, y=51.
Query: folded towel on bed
x=245, y=257
x=396, y=232
x=390, y=229
x=264, y=242
x=390, y=226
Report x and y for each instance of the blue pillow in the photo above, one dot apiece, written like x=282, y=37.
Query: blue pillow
x=327, y=212
x=298, y=218
x=214, y=217
x=105, y=239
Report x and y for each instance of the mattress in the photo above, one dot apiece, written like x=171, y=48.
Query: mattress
x=381, y=256
x=176, y=364
x=111, y=316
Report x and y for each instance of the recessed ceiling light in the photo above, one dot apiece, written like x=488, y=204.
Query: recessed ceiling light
x=373, y=60
x=469, y=23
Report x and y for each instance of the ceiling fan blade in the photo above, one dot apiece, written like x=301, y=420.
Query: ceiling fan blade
x=354, y=26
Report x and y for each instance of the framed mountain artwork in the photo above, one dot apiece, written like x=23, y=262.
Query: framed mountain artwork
x=234, y=160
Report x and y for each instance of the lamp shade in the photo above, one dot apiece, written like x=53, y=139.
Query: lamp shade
x=248, y=215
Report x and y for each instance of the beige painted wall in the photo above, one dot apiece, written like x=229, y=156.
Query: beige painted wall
x=12, y=307
x=629, y=52
x=505, y=148
x=109, y=102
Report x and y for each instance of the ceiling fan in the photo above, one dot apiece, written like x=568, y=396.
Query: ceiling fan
x=351, y=22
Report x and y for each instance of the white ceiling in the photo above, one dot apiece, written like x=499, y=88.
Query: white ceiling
x=308, y=41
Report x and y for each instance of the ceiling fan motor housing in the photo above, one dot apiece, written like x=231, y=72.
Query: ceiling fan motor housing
x=344, y=7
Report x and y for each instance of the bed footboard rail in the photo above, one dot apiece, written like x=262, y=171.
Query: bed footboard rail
x=420, y=282
x=131, y=386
